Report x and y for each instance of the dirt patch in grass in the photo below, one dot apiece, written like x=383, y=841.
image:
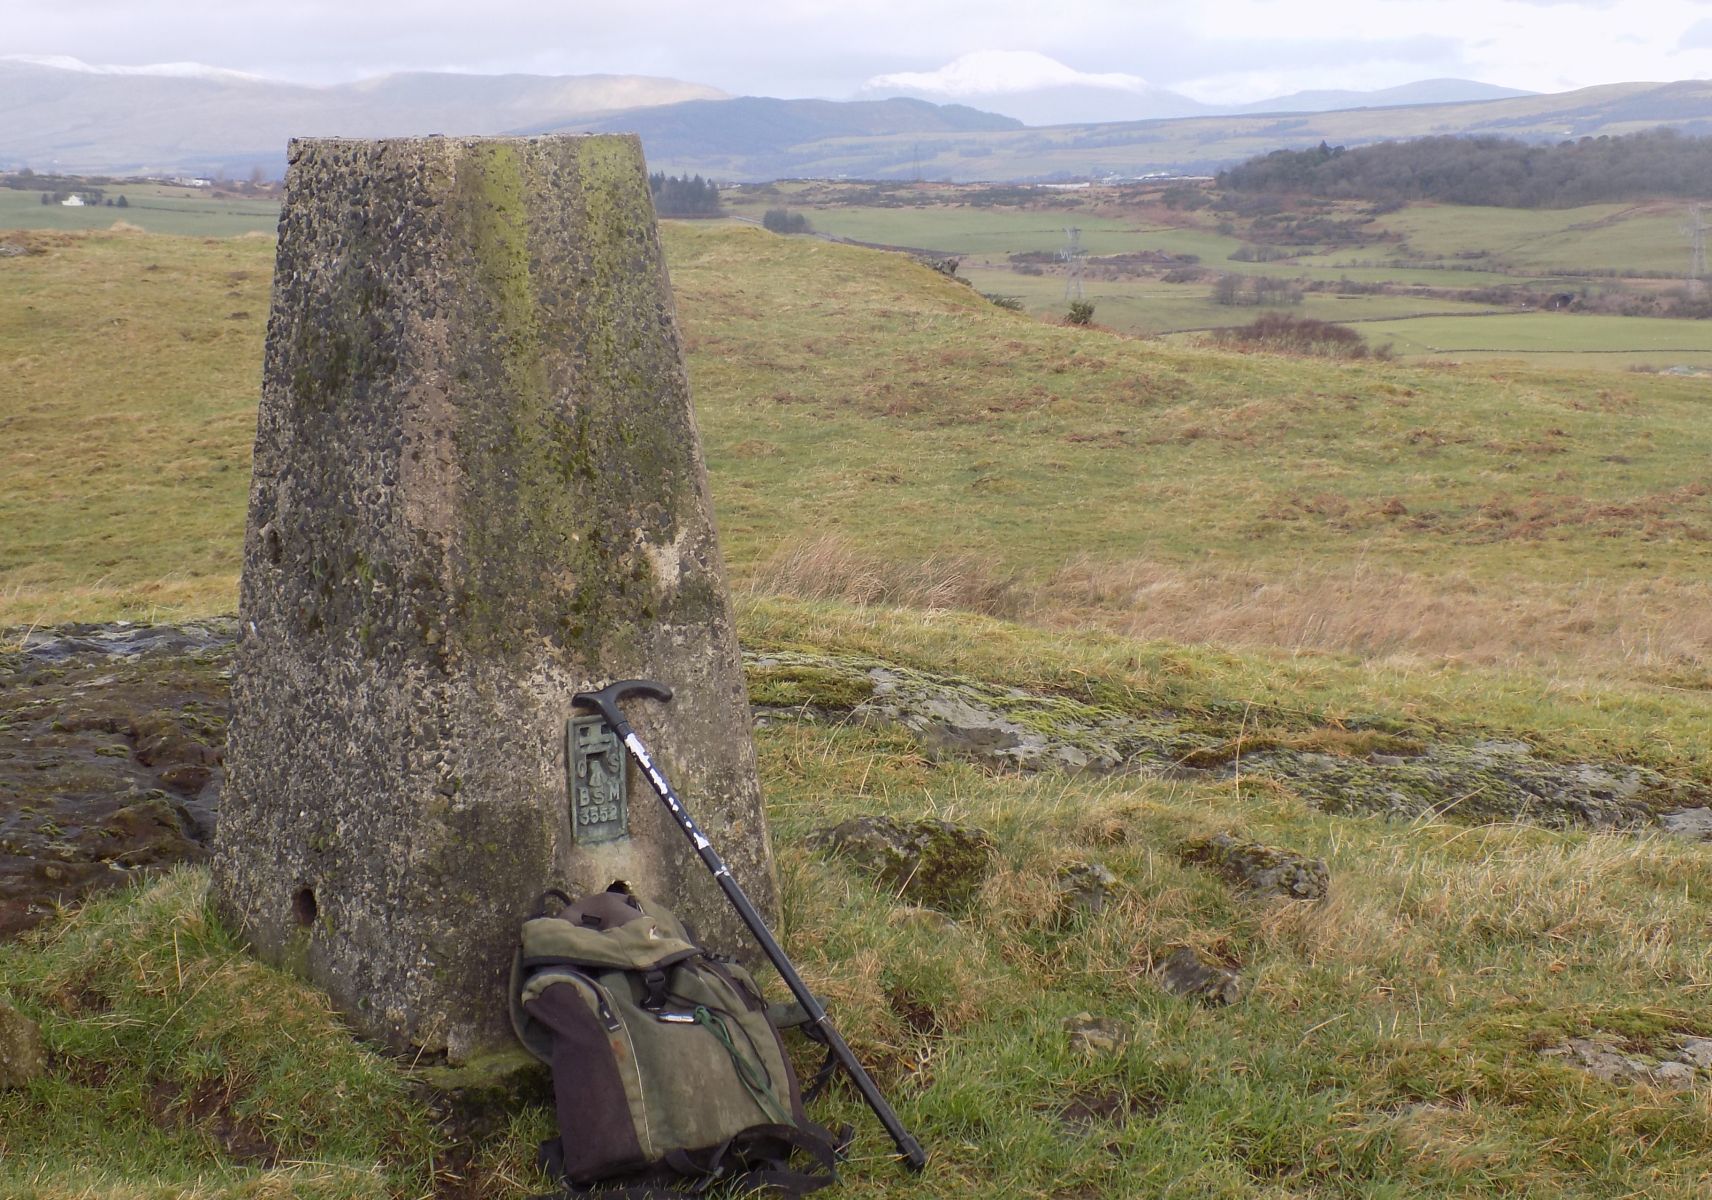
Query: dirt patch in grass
x=208, y=1107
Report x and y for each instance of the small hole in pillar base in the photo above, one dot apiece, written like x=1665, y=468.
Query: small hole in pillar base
x=303, y=906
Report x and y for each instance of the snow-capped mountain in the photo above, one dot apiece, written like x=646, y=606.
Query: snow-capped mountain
x=1036, y=89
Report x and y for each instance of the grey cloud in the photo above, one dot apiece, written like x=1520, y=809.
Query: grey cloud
x=1186, y=58
x=824, y=47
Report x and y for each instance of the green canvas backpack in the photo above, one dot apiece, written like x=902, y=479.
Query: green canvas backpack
x=668, y=1068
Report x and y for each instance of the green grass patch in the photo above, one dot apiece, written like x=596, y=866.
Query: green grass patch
x=182, y=1067
x=1654, y=339
x=1348, y=559
x=1389, y=1041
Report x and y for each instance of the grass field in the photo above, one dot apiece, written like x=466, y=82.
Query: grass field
x=151, y=207
x=1431, y=253
x=1635, y=338
x=1485, y=513
x=902, y=471
x=1150, y=306
x=1644, y=238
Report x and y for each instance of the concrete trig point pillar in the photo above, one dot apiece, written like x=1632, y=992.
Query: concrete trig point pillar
x=478, y=490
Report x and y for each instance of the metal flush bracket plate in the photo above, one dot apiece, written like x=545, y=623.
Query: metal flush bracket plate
x=594, y=762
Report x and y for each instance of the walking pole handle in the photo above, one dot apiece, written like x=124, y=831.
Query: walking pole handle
x=606, y=700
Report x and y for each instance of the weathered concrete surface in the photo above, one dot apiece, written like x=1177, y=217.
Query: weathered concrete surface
x=478, y=489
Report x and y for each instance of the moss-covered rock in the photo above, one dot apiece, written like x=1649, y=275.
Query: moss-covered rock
x=1265, y=871
x=931, y=863
x=1084, y=889
x=825, y=687
x=1097, y=1037
x=1186, y=973
x=110, y=757
x=476, y=1099
x=1371, y=768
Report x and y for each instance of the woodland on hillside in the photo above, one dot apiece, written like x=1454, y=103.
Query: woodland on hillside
x=686, y=196
x=1488, y=170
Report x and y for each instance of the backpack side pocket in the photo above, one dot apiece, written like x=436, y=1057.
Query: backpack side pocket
x=596, y=1091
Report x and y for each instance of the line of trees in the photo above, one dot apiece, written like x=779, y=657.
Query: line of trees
x=1488, y=170
x=686, y=196
x=92, y=198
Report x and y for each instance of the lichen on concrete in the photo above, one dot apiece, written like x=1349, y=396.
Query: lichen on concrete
x=478, y=490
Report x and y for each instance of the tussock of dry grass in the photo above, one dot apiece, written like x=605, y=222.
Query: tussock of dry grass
x=1660, y=630
x=828, y=567
x=1382, y=612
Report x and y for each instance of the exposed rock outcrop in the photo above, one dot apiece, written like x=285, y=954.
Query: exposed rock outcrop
x=1263, y=871
x=1186, y=973
x=1355, y=768
x=931, y=863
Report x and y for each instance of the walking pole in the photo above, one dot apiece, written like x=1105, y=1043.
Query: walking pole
x=605, y=702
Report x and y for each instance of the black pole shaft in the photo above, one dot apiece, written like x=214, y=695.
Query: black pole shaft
x=907, y=1145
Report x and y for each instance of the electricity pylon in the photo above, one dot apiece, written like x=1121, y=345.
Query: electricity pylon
x=1072, y=256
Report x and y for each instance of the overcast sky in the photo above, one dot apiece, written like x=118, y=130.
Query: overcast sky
x=1214, y=50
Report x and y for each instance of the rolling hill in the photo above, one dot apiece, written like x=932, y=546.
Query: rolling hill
x=1189, y=145
x=1481, y=1002
x=66, y=116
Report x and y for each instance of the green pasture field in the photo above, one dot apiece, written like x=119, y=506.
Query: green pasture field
x=152, y=208
x=1645, y=238
x=936, y=398
x=1257, y=545
x=1150, y=306
x=1447, y=249
x=984, y=232
x=1655, y=339
x=856, y=396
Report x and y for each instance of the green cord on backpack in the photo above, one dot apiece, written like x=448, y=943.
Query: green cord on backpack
x=666, y=1066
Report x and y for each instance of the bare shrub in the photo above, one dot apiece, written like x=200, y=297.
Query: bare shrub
x=1295, y=335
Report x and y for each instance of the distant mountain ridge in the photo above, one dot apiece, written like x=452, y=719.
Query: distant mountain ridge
x=725, y=134
x=1193, y=145
x=1424, y=91
x=61, y=115
x=1040, y=90
x=97, y=120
